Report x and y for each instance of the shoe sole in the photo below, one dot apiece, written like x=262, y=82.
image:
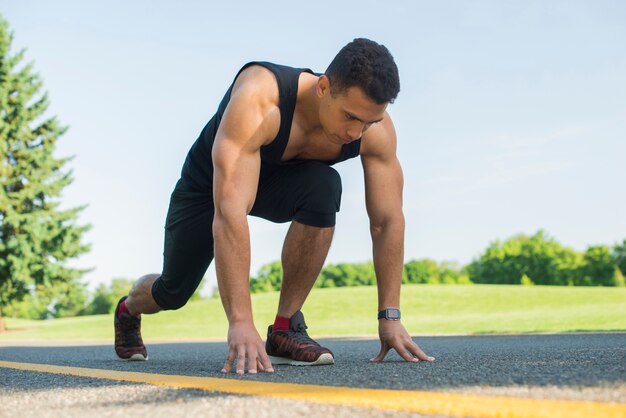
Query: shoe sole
x=134, y=357
x=322, y=360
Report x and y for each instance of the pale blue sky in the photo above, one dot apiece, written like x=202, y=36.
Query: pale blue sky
x=511, y=117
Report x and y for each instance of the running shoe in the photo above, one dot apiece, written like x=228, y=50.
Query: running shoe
x=295, y=347
x=128, y=342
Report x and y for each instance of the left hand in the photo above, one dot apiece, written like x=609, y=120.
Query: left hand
x=393, y=335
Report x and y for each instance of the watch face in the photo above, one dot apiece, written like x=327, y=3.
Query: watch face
x=393, y=313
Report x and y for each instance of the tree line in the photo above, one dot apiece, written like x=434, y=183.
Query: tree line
x=522, y=259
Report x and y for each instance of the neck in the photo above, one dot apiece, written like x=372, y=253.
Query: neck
x=308, y=104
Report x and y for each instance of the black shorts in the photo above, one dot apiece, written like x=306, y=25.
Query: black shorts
x=306, y=191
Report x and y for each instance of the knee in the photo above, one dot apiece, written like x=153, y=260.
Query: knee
x=169, y=298
x=324, y=190
x=320, y=202
x=331, y=184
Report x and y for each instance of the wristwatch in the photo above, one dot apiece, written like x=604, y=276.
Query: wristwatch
x=390, y=314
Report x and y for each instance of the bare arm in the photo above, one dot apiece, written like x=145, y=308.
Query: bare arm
x=383, y=198
x=246, y=125
x=235, y=178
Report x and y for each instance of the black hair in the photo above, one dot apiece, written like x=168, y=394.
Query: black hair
x=366, y=64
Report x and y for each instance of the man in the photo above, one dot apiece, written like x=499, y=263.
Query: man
x=267, y=152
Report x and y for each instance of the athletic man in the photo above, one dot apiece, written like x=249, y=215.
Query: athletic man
x=267, y=152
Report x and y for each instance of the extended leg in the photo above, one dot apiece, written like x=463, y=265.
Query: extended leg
x=304, y=252
x=188, y=250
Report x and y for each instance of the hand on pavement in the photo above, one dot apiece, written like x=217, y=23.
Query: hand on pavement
x=393, y=335
x=244, y=343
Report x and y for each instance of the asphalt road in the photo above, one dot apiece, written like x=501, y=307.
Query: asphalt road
x=570, y=366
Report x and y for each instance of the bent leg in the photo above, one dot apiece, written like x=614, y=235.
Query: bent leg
x=309, y=195
x=304, y=252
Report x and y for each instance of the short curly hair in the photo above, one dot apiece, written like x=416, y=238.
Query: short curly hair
x=366, y=64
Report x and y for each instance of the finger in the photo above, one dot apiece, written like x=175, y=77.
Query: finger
x=252, y=359
x=384, y=349
x=405, y=353
x=229, y=361
x=259, y=365
x=264, y=360
x=417, y=352
x=241, y=359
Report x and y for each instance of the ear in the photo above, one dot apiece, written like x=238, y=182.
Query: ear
x=323, y=86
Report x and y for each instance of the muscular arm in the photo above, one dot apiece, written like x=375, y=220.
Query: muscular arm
x=246, y=125
x=236, y=165
x=383, y=199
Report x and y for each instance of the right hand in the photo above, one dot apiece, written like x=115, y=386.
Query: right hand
x=244, y=342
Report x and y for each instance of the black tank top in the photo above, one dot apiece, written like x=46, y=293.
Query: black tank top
x=198, y=168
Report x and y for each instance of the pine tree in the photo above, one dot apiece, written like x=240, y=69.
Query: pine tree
x=37, y=238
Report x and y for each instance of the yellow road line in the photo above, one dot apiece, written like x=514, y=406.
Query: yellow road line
x=450, y=404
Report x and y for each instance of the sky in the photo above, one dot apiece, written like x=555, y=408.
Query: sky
x=511, y=116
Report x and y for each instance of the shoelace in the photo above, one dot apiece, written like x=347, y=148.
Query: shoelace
x=130, y=328
x=301, y=335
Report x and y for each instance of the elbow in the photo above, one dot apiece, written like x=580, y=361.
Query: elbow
x=226, y=209
x=378, y=226
x=229, y=213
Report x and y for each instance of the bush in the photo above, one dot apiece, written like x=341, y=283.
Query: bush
x=598, y=268
x=537, y=256
x=421, y=271
x=618, y=278
x=526, y=281
x=619, y=255
x=268, y=278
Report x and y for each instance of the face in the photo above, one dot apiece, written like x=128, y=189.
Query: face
x=345, y=116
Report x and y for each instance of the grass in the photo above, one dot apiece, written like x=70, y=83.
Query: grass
x=426, y=309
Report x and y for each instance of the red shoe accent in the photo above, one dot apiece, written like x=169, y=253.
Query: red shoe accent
x=122, y=308
x=281, y=323
x=294, y=346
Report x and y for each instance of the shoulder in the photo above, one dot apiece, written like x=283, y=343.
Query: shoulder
x=254, y=102
x=257, y=83
x=379, y=141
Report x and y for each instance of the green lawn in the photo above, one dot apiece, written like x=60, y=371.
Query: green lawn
x=426, y=309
